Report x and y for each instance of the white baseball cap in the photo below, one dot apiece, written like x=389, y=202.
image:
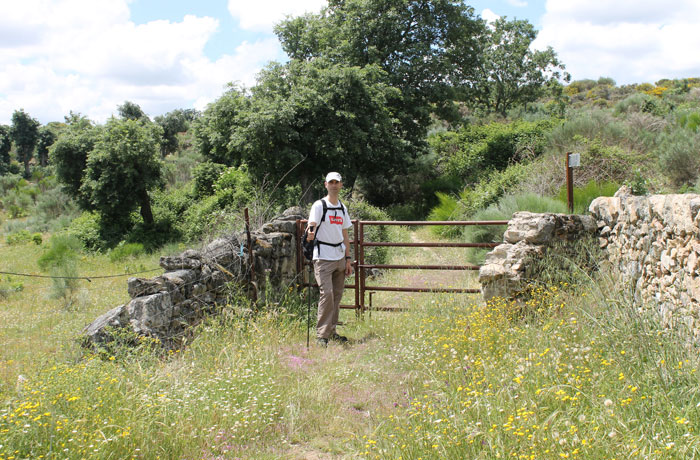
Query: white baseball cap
x=333, y=176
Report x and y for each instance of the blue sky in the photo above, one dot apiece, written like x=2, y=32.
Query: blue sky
x=230, y=32
x=221, y=42
x=89, y=56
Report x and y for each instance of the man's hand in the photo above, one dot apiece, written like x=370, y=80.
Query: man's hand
x=348, y=267
x=312, y=234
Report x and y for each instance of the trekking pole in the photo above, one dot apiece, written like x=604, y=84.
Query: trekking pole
x=308, y=311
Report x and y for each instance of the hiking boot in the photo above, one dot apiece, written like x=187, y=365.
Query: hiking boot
x=338, y=338
x=322, y=342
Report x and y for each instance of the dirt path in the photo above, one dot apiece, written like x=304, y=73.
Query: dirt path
x=367, y=380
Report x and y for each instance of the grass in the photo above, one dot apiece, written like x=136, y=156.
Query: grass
x=36, y=327
x=573, y=373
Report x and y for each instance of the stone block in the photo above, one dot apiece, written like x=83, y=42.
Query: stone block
x=170, y=263
x=151, y=315
x=137, y=287
x=115, y=318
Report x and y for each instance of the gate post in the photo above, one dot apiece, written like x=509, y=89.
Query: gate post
x=360, y=266
x=356, y=237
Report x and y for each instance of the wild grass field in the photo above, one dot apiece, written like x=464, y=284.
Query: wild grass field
x=574, y=373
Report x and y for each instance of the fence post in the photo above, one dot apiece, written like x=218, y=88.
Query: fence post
x=356, y=237
x=251, y=261
x=361, y=262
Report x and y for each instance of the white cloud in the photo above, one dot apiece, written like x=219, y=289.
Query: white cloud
x=87, y=56
x=518, y=3
x=489, y=16
x=262, y=15
x=630, y=41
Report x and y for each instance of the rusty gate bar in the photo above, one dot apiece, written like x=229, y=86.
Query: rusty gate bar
x=408, y=223
x=424, y=267
x=432, y=245
x=415, y=289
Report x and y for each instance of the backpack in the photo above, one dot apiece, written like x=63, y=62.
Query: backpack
x=308, y=246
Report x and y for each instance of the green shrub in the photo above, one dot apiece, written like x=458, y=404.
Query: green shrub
x=17, y=203
x=642, y=102
x=53, y=204
x=678, y=156
x=8, y=286
x=19, y=237
x=587, y=125
x=205, y=176
x=86, y=228
x=205, y=218
x=447, y=209
x=234, y=188
x=162, y=231
x=608, y=162
x=125, y=250
x=37, y=239
x=492, y=188
x=63, y=250
x=633, y=103
x=290, y=195
x=9, y=182
x=639, y=185
x=690, y=120
x=486, y=192
x=478, y=148
x=222, y=211
x=59, y=260
x=179, y=167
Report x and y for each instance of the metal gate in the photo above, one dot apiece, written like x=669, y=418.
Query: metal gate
x=361, y=268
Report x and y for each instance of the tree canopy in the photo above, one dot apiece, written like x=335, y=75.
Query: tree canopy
x=121, y=168
x=25, y=134
x=509, y=72
x=70, y=152
x=174, y=122
x=424, y=46
x=131, y=111
x=46, y=139
x=215, y=128
x=307, y=117
x=5, y=148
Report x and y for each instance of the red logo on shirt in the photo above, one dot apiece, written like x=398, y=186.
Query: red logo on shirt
x=335, y=220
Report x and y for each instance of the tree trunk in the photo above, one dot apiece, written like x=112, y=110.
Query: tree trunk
x=26, y=166
x=146, y=212
x=308, y=195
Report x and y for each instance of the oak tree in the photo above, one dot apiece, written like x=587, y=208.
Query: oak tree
x=25, y=134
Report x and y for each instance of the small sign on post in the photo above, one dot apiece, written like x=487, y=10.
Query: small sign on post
x=572, y=160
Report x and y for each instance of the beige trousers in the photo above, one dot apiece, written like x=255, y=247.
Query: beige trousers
x=330, y=276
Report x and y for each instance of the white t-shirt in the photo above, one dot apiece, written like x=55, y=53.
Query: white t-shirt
x=331, y=231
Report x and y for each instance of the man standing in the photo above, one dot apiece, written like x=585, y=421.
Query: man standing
x=328, y=226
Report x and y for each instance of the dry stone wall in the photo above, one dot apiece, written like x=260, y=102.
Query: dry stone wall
x=654, y=242
x=509, y=268
x=196, y=281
